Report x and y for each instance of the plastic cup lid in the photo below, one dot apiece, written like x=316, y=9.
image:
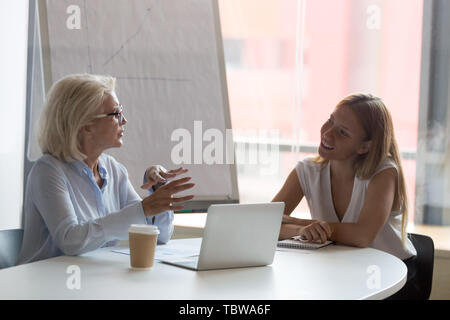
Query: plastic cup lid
x=143, y=228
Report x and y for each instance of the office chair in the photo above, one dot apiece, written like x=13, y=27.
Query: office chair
x=425, y=262
x=10, y=244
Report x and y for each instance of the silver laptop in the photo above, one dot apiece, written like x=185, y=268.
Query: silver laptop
x=235, y=236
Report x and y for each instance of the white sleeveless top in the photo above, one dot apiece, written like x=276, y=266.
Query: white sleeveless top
x=316, y=184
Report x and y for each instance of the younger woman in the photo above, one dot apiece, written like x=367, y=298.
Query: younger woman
x=355, y=187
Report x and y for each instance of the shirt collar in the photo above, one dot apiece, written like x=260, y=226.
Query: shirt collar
x=84, y=170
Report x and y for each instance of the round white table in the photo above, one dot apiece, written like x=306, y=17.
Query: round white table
x=333, y=272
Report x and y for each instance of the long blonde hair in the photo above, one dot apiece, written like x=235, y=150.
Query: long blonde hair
x=71, y=103
x=377, y=123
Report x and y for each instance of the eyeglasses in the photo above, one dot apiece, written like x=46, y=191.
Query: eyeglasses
x=118, y=114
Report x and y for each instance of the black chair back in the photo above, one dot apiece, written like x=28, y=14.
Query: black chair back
x=424, y=262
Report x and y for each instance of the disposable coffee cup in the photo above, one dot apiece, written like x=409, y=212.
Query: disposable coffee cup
x=142, y=240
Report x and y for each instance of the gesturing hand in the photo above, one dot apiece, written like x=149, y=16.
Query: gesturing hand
x=158, y=175
x=318, y=231
x=163, y=199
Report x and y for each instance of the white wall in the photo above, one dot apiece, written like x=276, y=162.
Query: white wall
x=13, y=77
x=441, y=276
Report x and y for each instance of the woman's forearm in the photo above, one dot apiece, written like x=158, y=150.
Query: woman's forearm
x=288, y=231
x=350, y=234
x=291, y=220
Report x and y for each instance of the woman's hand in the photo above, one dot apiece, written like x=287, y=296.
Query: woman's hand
x=318, y=231
x=162, y=199
x=157, y=175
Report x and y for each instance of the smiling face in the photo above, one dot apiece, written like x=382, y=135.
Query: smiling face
x=342, y=136
x=107, y=132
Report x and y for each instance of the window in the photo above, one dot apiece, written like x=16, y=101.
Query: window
x=290, y=62
x=433, y=170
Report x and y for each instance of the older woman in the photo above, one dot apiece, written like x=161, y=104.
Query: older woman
x=79, y=199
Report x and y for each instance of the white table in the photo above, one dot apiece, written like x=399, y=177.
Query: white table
x=333, y=272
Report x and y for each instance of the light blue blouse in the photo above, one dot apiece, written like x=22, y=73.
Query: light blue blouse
x=66, y=213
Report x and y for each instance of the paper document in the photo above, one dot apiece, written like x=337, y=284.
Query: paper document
x=162, y=251
x=298, y=243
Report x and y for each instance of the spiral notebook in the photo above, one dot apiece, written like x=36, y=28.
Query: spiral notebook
x=298, y=243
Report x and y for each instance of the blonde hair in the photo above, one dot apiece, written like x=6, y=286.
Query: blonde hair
x=377, y=123
x=71, y=103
